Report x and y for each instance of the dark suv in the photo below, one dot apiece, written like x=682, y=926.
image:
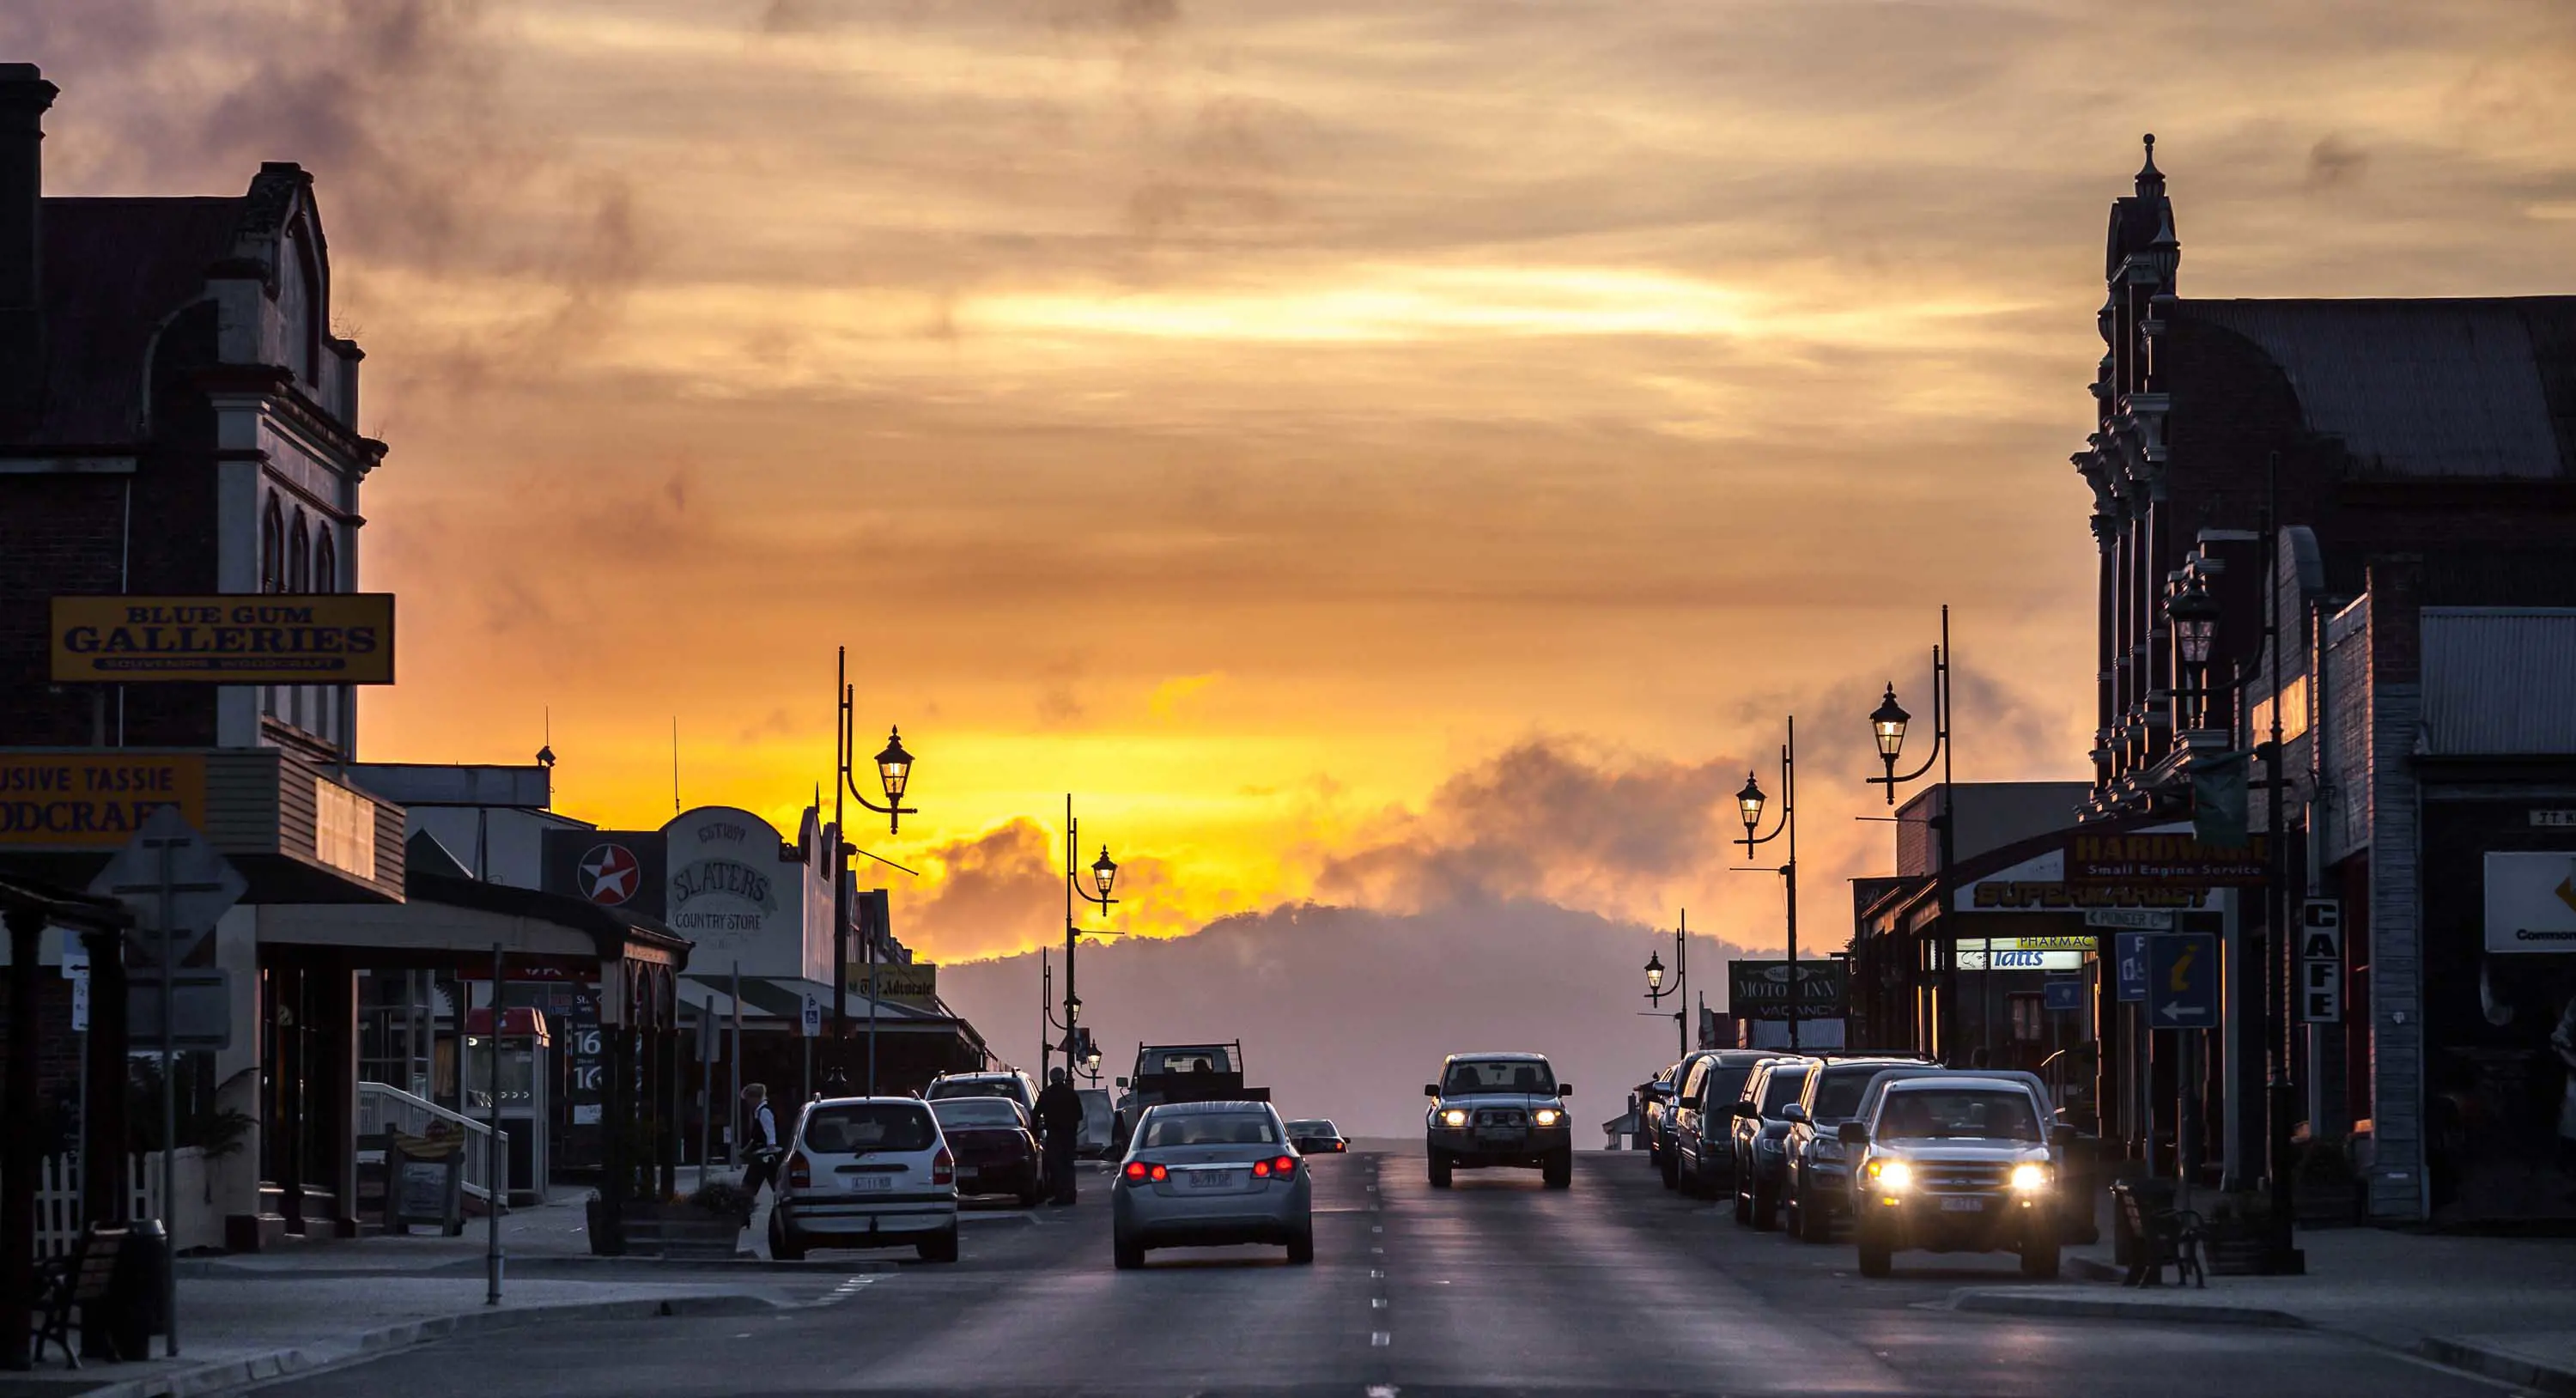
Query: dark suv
x=1761, y=1138
x=1701, y=1161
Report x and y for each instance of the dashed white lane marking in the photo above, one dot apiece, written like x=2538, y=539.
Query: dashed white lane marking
x=1379, y=1339
x=1377, y=1303
x=1377, y=1227
x=1383, y=1390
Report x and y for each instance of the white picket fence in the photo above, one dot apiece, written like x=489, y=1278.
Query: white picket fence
x=58, y=1200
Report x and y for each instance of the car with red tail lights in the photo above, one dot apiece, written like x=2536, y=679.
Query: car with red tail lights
x=1211, y=1174
x=996, y=1145
x=867, y=1172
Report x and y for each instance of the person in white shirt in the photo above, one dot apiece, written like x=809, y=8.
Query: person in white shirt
x=760, y=1135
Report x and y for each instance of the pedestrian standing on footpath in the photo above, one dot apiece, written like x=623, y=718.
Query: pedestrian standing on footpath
x=1060, y=1117
x=760, y=1134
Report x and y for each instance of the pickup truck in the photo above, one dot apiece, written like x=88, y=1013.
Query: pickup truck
x=1955, y=1162
x=1182, y=1073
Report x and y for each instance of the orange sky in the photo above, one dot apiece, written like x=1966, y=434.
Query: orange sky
x=1363, y=451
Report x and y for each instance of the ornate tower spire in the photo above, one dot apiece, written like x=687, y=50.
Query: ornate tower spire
x=2151, y=181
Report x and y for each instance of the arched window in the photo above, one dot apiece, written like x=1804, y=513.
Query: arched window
x=326, y=561
x=272, y=548
x=299, y=557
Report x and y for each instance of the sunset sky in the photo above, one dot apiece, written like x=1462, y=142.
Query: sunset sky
x=1378, y=453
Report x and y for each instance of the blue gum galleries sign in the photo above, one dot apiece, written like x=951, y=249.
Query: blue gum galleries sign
x=324, y=638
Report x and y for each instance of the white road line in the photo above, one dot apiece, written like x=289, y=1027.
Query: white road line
x=1377, y=1303
x=1379, y=1339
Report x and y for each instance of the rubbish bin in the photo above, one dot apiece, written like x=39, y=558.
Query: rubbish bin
x=136, y=1293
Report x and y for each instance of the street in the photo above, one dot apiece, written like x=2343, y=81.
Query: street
x=1496, y=1286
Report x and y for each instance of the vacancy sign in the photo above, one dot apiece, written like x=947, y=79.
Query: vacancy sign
x=2531, y=902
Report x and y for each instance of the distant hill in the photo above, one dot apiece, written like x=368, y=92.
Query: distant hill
x=1346, y=1012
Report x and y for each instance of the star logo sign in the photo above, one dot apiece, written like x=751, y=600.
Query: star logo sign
x=609, y=874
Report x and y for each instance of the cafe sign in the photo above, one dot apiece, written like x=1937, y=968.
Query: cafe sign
x=257, y=638
x=94, y=799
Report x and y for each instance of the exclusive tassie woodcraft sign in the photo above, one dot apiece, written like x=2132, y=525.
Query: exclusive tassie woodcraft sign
x=262, y=638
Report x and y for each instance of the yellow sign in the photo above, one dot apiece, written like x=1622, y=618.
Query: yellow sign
x=916, y=984
x=94, y=800
x=260, y=638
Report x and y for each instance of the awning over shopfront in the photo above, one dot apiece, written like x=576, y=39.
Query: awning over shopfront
x=774, y=1001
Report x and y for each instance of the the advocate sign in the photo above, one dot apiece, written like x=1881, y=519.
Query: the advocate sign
x=94, y=799
x=263, y=638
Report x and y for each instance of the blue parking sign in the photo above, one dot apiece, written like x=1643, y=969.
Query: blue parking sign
x=2063, y=994
x=2129, y=950
x=2182, y=981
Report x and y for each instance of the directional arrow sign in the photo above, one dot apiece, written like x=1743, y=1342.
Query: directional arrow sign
x=2182, y=981
x=175, y=883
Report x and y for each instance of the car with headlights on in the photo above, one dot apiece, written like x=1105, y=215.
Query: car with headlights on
x=867, y=1172
x=1317, y=1136
x=1818, y=1189
x=1499, y=1109
x=1956, y=1162
x=996, y=1145
x=1702, y=1158
x=1210, y=1174
x=1761, y=1138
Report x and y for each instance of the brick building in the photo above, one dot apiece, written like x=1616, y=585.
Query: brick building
x=2374, y=477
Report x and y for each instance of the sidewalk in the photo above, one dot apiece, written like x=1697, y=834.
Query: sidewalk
x=244, y=1319
x=2503, y=1307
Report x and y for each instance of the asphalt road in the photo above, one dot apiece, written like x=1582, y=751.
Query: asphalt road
x=1497, y=1286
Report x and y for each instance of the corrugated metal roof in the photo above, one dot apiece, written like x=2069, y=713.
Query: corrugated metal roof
x=2499, y=681
x=2441, y=388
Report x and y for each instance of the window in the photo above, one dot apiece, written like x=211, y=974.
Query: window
x=1210, y=1129
x=868, y=1126
x=299, y=556
x=1499, y=1075
x=978, y=1111
x=326, y=561
x=1959, y=1114
x=272, y=548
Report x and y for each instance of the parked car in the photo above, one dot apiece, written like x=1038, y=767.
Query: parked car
x=996, y=1146
x=1505, y=1109
x=1010, y=1082
x=1760, y=1138
x=867, y=1172
x=1653, y=1096
x=1957, y=1162
x=1210, y=1174
x=1703, y=1153
x=1317, y=1136
x=1819, y=1182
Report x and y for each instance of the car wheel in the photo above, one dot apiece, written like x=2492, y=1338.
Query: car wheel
x=1559, y=1170
x=1877, y=1259
x=1128, y=1253
x=1743, y=1206
x=784, y=1245
x=940, y=1248
x=1440, y=1168
x=2039, y=1253
x=1807, y=1216
x=1301, y=1249
x=1671, y=1170
x=1766, y=1206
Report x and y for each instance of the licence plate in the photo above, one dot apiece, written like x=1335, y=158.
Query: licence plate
x=1212, y=1179
x=1963, y=1206
x=871, y=1184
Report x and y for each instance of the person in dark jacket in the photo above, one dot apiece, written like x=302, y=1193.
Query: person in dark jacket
x=1060, y=1117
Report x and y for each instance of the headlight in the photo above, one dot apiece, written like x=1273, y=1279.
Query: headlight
x=1891, y=1175
x=1547, y=1116
x=1455, y=1116
x=2029, y=1177
x=1827, y=1148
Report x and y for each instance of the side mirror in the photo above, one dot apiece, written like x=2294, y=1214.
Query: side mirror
x=1793, y=1112
x=2061, y=1138
x=1565, y=1089
x=1748, y=1111
x=1852, y=1133
x=1431, y=1089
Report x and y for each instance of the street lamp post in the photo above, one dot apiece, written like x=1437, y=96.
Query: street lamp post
x=1749, y=801
x=1887, y=725
x=1656, y=991
x=894, y=773
x=1104, y=875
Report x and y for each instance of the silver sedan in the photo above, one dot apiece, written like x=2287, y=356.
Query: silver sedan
x=1211, y=1174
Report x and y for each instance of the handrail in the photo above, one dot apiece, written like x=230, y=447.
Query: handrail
x=477, y=1163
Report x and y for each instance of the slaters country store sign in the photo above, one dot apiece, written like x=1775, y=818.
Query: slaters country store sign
x=266, y=638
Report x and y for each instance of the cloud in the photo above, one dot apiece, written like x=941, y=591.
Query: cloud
x=995, y=891
x=2334, y=162
x=1169, y=696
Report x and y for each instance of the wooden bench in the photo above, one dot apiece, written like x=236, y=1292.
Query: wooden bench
x=80, y=1281
x=2162, y=1236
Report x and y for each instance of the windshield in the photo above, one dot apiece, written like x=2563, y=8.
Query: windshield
x=1838, y=1096
x=974, y=1087
x=1187, y=1060
x=848, y=1130
x=977, y=1111
x=1499, y=1075
x=1210, y=1129
x=1781, y=1088
x=1960, y=1114
x=1310, y=1127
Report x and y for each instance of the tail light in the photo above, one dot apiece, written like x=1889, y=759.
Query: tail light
x=943, y=1167
x=800, y=1172
x=1135, y=1171
x=1138, y=1172
x=1283, y=1167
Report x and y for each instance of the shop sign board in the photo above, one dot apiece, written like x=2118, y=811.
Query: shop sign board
x=2531, y=902
x=2129, y=959
x=94, y=799
x=621, y=869
x=260, y=638
x=2136, y=919
x=913, y=983
x=2321, y=961
x=2041, y=884
x=2005, y=958
x=2173, y=859
x=1761, y=989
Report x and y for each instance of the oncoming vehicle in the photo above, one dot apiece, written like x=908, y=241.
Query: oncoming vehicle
x=1210, y=1174
x=867, y=1172
x=1955, y=1162
x=1491, y=1109
x=996, y=1146
x=1317, y=1136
